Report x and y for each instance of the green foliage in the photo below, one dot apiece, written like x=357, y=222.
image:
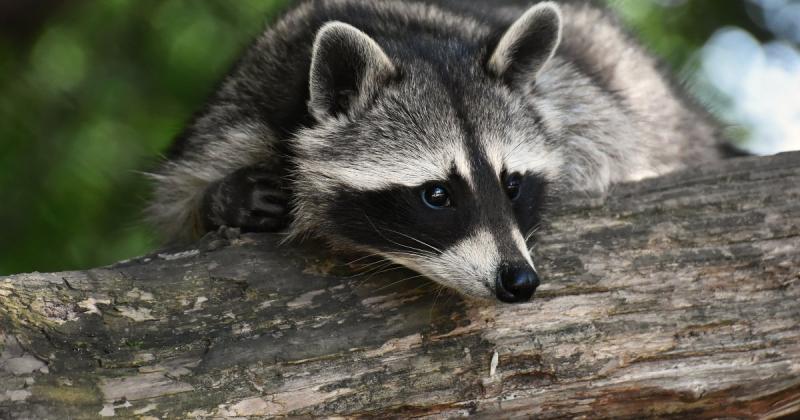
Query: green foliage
x=87, y=105
x=677, y=31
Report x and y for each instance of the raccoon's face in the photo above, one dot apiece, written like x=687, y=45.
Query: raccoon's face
x=442, y=168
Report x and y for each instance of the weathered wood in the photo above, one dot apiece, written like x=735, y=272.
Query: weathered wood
x=674, y=297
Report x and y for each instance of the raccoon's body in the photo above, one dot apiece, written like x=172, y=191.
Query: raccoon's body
x=430, y=133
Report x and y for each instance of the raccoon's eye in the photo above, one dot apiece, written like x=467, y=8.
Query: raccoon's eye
x=513, y=183
x=436, y=197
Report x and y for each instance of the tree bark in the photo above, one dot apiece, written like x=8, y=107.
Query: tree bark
x=672, y=297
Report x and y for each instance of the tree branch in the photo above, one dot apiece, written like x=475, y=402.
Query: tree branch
x=673, y=297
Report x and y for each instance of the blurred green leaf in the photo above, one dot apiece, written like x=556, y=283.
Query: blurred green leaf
x=58, y=60
x=87, y=105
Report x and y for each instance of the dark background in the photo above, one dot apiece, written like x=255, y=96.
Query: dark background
x=92, y=92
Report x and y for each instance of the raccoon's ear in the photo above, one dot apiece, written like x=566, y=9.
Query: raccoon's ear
x=347, y=68
x=528, y=44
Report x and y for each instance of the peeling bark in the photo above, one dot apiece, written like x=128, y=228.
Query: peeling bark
x=672, y=297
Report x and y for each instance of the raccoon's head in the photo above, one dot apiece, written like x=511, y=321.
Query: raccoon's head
x=435, y=156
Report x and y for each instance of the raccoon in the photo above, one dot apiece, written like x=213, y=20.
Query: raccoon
x=431, y=133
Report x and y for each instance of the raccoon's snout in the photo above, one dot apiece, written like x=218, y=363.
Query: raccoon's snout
x=516, y=283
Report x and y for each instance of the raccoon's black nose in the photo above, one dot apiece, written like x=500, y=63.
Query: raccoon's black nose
x=516, y=283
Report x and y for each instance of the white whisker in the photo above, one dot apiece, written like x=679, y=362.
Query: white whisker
x=416, y=240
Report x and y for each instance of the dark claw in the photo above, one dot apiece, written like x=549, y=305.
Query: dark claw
x=253, y=199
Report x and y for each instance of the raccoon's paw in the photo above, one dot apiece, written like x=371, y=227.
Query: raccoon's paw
x=253, y=199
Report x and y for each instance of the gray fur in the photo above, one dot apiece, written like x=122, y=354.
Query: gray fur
x=603, y=114
x=542, y=21
x=341, y=36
